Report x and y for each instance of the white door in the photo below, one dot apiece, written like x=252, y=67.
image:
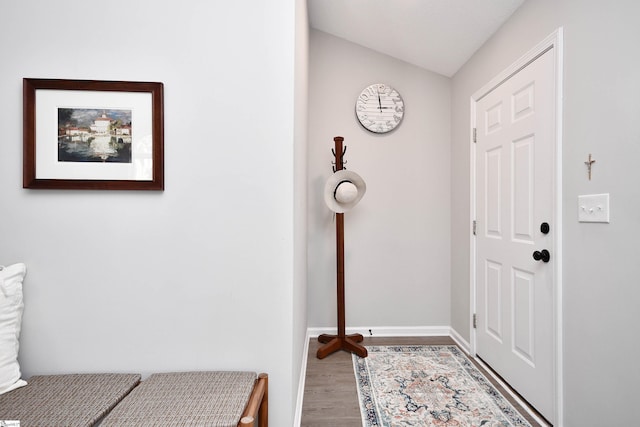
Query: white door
x=515, y=192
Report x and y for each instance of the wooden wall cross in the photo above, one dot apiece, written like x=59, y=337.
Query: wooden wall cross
x=589, y=163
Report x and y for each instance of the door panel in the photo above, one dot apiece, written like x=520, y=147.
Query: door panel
x=493, y=300
x=514, y=195
x=493, y=193
x=522, y=191
x=523, y=321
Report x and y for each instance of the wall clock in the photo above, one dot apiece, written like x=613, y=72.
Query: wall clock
x=379, y=108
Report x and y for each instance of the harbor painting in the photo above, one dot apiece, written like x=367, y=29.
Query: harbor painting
x=94, y=135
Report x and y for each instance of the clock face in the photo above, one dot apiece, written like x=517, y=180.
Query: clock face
x=379, y=108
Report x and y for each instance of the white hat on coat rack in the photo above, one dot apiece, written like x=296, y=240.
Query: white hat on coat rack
x=343, y=190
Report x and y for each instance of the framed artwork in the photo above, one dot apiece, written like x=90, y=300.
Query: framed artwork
x=94, y=135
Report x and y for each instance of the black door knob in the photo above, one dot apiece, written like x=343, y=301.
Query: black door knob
x=542, y=255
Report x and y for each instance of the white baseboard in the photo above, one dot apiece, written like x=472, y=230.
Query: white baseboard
x=464, y=344
x=297, y=420
x=387, y=331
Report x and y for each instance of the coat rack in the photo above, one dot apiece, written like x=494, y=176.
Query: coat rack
x=341, y=341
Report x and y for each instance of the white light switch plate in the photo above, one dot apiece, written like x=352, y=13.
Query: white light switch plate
x=593, y=208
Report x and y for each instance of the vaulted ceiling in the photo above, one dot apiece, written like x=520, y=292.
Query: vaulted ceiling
x=437, y=35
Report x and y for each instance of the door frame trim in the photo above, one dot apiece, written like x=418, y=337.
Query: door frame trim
x=553, y=41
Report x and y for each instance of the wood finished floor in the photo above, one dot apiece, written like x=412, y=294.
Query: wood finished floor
x=330, y=394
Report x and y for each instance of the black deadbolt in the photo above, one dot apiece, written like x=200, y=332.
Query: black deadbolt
x=544, y=228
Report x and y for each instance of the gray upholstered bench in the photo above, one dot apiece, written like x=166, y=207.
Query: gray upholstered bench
x=66, y=400
x=220, y=399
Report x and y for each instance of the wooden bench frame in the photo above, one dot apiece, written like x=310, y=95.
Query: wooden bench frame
x=258, y=404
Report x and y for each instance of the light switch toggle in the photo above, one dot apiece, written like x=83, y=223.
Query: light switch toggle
x=593, y=208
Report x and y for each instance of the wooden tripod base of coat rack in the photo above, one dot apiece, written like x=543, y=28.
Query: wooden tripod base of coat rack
x=340, y=341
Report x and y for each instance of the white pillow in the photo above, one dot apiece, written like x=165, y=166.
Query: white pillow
x=11, y=307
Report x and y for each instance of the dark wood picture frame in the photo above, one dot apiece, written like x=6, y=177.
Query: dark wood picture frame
x=152, y=177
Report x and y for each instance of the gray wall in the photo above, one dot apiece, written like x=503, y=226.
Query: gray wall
x=601, y=109
x=397, y=237
x=202, y=275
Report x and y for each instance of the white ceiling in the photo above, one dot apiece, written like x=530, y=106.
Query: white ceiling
x=437, y=35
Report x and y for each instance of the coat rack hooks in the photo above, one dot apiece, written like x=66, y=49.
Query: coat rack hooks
x=339, y=162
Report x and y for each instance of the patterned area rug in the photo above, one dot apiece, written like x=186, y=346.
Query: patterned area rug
x=428, y=385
